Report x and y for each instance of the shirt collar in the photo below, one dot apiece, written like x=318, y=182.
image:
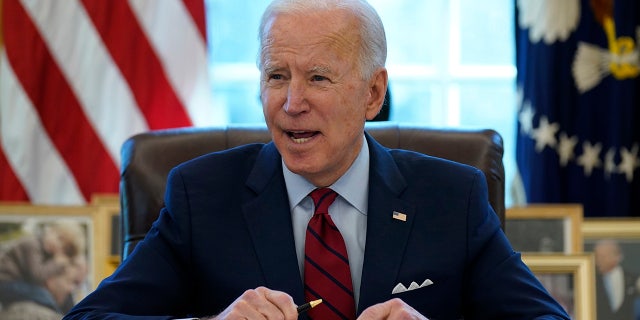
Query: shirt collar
x=352, y=186
x=615, y=272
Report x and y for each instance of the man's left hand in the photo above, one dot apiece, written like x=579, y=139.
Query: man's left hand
x=394, y=309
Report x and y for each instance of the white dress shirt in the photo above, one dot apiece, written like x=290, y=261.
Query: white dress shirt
x=348, y=212
x=614, y=285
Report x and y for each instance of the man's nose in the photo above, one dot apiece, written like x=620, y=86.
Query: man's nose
x=296, y=99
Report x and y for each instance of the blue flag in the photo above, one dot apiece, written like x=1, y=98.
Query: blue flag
x=578, y=82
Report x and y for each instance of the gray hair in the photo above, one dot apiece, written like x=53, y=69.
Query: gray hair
x=373, y=51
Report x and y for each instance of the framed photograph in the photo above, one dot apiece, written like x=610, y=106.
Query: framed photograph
x=550, y=228
x=569, y=279
x=615, y=243
x=49, y=255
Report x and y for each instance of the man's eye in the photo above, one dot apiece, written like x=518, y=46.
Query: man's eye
x=275, y=77
x=318, y=78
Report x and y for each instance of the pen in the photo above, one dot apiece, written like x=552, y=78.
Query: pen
x=304, y=307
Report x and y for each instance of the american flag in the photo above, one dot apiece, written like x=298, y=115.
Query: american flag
x=78, y=77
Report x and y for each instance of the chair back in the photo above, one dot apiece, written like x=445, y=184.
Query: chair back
x=148, y=157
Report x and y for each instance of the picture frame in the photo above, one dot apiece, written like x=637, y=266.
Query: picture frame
x=108, y=199
x=78, y=233
x=569, y=278
x=550, y=228
x=109, y=209
x=619, y=236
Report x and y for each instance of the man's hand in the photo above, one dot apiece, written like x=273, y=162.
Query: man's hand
x=394, y=309
x=261, y=303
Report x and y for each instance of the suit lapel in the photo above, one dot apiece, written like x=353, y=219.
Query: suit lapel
x=269, y=222
x=386, y=235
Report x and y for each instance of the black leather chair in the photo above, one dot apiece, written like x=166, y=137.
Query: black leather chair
x=148, y=157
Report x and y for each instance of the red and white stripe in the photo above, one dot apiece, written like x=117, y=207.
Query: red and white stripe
x=78, y=77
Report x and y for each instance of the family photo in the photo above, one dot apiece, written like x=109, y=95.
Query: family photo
x=44, y=266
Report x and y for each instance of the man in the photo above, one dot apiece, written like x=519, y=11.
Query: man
x=616, y=289
x=235, y=237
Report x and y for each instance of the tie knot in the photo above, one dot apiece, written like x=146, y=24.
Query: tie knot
x=322, y=199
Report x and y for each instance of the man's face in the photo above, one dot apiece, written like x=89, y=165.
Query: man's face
x=314, y=99
x=607, y=256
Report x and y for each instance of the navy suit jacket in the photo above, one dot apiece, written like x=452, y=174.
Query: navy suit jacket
x=227, y=228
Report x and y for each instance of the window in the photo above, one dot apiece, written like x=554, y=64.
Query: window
x=450, y=62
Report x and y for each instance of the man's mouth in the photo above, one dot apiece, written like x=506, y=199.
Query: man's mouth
x=301, y=136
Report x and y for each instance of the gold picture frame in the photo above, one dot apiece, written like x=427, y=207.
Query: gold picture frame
x=109, y=205
x=620, y=236
x=621, y=228
x=20, y=222
x=550, y=228
x=578, y=269
x=108, y=199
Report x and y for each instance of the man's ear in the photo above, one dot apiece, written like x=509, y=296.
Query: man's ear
x=377, y=92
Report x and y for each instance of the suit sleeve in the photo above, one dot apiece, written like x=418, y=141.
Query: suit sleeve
x=500, y=285
x=158, y=265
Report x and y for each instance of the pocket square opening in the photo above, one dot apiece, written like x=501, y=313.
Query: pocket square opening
x=399, y=288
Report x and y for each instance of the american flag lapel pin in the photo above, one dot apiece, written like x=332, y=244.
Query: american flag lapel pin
x=399, y=216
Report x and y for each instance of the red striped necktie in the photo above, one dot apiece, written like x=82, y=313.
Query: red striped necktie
x=326, y=265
